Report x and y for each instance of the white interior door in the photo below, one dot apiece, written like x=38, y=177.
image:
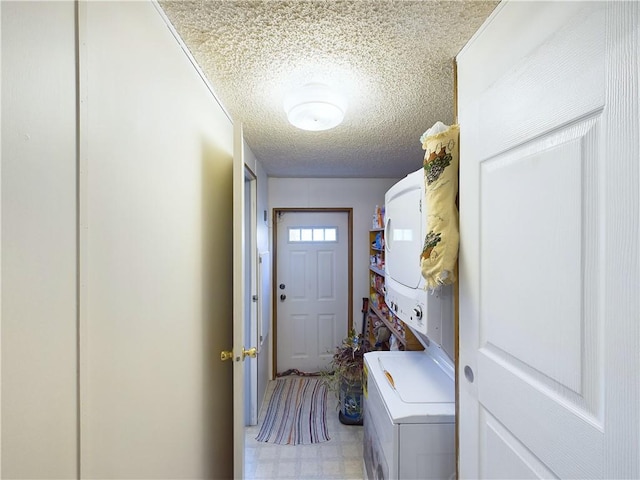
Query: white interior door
x=155, y=201
x=312, y=288
x=549, y=264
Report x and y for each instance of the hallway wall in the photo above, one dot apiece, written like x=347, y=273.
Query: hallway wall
x=116, y=249
x=38, y=326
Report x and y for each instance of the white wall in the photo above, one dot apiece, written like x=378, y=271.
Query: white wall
x=39, y=408
x=159, y=170
x=361, y=194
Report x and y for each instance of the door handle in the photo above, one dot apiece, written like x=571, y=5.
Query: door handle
x=468, y=373
x=226, y=355
x=282, y=297
x=252, y=352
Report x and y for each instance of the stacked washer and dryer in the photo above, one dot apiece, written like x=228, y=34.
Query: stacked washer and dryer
x=409, y=414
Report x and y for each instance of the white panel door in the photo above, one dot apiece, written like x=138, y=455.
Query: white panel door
x=549, y=271
x=312, y=288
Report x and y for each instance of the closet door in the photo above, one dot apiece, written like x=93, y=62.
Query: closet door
x=549, y=263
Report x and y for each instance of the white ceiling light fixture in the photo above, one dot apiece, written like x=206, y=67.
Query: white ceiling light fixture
x=315, y=107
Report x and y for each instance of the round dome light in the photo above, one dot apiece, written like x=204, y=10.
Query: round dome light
x=315, y=107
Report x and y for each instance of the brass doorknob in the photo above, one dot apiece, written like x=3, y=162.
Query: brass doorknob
x=252, y=352
x=226, y=355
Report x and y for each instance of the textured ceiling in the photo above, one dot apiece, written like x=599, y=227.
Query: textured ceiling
x=391, y=59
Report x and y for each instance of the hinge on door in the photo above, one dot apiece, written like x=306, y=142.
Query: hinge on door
x=254, y=298
x=420, y=205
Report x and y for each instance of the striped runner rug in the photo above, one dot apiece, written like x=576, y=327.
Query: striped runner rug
x=296, y=413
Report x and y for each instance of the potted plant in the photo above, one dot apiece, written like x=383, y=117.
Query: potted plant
x=346, y=377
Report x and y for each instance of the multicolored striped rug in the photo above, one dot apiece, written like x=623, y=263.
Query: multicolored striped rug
x=296, y=413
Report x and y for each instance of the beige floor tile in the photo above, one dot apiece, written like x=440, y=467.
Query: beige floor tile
x=338, y=459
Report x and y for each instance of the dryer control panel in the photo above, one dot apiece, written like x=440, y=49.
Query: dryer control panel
x=420, y=309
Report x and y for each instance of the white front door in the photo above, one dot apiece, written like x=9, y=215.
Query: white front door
x=312, y=288
x=549, y=260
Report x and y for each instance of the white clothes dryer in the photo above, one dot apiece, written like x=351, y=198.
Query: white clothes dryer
x=409, y=416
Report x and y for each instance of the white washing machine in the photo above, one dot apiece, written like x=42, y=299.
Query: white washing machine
x=409, y=416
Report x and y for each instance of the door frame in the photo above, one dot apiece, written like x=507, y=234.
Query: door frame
x=238, y=316
x=274, y=283
x=252, y=304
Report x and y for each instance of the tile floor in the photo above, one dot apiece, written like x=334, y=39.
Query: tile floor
x=339, y=458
